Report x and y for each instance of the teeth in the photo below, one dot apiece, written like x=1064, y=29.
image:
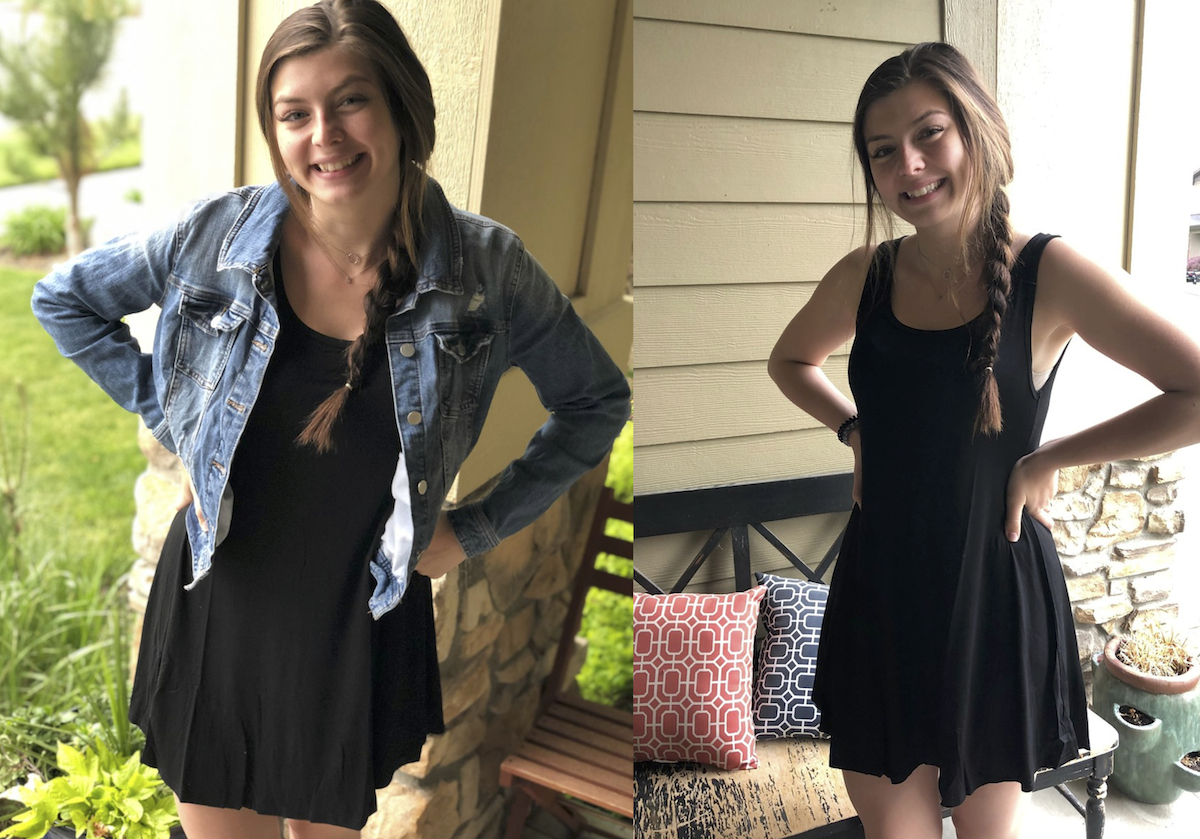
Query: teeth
x=336, y=167
x=925, y=190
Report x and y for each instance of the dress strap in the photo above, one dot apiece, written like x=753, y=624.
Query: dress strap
x=878, y=285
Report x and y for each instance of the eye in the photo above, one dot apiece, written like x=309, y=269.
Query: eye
x=931, y=130
x=353, y=99
x=880, y=152
x=291, y=116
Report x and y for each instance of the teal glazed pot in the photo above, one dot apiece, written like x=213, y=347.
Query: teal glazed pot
x=1147, y=765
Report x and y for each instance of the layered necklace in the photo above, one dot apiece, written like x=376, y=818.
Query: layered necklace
x=947, y=275
x=335, y=257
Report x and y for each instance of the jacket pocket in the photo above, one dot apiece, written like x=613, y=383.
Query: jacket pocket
x=207, y=330
x=462, y=366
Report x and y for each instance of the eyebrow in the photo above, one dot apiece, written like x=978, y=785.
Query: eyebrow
x=919, y=119
x=347, y=82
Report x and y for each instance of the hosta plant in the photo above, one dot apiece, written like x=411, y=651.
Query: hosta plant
x=98, y=795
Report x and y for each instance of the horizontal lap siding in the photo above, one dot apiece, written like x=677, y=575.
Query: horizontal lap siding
x=908, y=21
x=745, y=194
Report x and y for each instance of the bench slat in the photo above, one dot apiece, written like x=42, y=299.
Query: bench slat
x=572, y=748
x=624, y=718
x=606, y=727
x=533, y=769
x=623, y=748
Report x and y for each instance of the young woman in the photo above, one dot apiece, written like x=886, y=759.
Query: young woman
x=948, y=670
x=327, y=352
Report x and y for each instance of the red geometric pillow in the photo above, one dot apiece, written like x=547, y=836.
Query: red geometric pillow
x=692, y=662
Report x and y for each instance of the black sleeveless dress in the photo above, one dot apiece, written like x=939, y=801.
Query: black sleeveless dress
x=943, y=643
x=269, y=686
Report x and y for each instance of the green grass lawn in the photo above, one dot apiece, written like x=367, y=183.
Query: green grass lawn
x=83, y=454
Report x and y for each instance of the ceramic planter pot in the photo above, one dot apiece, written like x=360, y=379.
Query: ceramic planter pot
x=1147, y=766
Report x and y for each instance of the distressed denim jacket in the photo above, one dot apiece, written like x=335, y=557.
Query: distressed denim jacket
x=481, y=304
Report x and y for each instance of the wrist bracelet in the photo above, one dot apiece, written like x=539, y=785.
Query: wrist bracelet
x=843, y=432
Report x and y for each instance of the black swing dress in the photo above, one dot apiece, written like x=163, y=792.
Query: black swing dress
x=942, y=642
x=269, y=685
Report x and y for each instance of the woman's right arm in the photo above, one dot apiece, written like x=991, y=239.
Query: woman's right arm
x=818, y=330
x=81, y=304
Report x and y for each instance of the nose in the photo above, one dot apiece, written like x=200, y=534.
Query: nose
x=911, y=159
x=326, y=129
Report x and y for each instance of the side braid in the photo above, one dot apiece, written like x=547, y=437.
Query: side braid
x=997, y=238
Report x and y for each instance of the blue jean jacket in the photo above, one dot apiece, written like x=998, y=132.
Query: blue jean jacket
x=482, y=304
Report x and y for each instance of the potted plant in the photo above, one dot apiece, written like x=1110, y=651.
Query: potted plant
x=99, y=795
x=1147, y=690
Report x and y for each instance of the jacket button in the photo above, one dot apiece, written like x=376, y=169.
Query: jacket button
x=215, y=323
x=422, y=487
x=408, y=350
x=414, y=417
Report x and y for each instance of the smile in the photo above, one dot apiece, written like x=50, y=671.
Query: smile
x=337, y=165
x=925, y=190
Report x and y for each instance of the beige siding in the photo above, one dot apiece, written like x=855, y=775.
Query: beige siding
x=693, y=69
x=679, y=157
x=715, y=244
x=872, y=20
x=745, y=194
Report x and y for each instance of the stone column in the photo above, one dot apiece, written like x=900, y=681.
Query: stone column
x=1115, y=527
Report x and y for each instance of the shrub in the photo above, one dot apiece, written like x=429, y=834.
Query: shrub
x=36, y=230
x=607, y=674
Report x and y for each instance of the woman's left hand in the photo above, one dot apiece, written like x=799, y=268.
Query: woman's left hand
x=1030, y=487
x=444, y=551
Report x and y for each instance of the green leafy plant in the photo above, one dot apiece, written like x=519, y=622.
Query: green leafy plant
x=99, y=794
x=36, y=230
x=607, y=674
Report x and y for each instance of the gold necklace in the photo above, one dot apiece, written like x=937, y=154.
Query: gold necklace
x=351, y=257
x=947, y=274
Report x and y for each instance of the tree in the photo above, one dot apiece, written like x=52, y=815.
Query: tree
x=43, y=80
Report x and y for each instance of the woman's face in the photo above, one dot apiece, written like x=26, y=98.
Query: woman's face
x=335, y=133
x=918, y=160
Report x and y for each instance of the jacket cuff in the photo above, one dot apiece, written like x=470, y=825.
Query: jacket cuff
x=162, y=433
x=472, y=529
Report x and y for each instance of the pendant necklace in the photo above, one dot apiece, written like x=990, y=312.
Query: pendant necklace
x=947, y=274
x=351, y=257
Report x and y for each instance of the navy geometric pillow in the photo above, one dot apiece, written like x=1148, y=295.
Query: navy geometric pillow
x=792, y=611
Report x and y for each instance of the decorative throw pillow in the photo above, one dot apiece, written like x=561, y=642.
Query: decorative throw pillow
x=692, y=672
x=792, y=612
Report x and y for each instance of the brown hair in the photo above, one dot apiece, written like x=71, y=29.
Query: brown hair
x=984, y=222
x=366, y=29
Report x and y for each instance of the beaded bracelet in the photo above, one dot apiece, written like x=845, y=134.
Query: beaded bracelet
x=843, y=432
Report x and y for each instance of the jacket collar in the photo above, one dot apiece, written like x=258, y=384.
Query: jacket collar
x=251, y=242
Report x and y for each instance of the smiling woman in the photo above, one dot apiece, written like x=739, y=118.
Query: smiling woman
x=328, y=350
x=957, y=332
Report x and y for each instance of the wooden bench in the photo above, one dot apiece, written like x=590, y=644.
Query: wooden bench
x=793, y=792
x=577, y=748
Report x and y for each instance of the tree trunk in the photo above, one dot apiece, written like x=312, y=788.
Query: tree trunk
x=75, y=243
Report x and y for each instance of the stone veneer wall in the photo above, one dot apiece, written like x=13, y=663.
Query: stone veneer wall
x=1115, y=527
x=499, y=617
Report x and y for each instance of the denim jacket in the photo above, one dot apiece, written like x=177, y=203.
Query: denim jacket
x=481, y=304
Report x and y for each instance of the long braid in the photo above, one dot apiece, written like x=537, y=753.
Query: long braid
x=997, y=238
x=393, y=282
